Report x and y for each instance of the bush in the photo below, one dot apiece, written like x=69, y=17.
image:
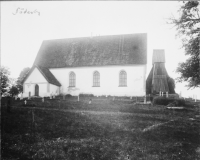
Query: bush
x=37, y=99
x=166, y=101
x=60, y=96
x=86, y=95
x=68, y=95
x=173, y=95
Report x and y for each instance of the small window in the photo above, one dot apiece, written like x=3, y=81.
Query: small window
x=96, y=79
x=72, y=79
x=122, y=79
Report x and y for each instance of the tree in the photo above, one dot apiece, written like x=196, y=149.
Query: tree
x=171, y=84
x=188, y=27
x=13, y=90
x=4, y=79
x=21, y=77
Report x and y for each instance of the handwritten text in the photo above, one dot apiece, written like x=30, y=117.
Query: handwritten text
x=26, y=11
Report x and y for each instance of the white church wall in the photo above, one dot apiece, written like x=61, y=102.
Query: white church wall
x=43, y=90
x=28, y=88
x=31, y=88
x=109, y=80
x=54, y=90
x=35, y=78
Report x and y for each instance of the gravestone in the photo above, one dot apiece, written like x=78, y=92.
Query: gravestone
x=167, y=94
x=145, y=100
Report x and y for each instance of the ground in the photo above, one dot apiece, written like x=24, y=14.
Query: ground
x=104, y=129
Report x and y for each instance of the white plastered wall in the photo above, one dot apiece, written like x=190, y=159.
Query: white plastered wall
x=53, y=90
x=109, y=80
x=35, y=78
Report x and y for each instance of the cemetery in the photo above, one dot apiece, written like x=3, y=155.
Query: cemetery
x=105, y=127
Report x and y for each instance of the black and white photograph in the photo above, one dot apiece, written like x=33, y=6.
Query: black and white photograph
x=100, y=80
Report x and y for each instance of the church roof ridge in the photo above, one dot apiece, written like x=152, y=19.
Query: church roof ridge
x=97, y=51
x=93, y=36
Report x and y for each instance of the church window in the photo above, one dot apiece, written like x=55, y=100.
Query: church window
x=72, y=79
x=96, y=79
x=122, y=79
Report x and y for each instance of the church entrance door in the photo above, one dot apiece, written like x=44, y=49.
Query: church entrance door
x=36, y=90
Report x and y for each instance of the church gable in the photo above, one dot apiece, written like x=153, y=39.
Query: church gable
x=41, y=74
x=35, y=76
x=96, y=51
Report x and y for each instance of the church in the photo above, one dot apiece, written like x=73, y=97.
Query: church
x=112, y=65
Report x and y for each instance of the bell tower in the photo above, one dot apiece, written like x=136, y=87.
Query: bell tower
x=158, y=79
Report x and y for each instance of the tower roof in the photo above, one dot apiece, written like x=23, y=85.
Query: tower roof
x=158, y=56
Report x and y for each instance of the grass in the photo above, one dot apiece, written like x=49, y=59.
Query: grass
x=103, y=130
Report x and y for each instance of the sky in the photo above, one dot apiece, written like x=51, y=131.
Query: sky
x=22, y=32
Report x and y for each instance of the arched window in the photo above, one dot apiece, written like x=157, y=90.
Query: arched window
x=122, y=79
x=96, y=79
x=72, y=79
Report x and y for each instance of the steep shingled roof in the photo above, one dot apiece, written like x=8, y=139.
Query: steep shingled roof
x=93, y=51
x=49, y=76
x=46, y=73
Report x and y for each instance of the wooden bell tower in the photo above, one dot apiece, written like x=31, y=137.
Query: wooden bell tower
x=157, y=80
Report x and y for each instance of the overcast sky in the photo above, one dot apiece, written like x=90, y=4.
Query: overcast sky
x=23, y=33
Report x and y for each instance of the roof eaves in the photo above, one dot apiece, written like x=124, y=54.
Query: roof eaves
x=42, y=73
x=55, y=84
x=46, y=77
x=26, y=77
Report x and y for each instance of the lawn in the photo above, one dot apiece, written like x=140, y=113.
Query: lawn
x=103, y=130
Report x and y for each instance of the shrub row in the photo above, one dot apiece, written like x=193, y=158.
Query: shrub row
x=86, y=95
x=166, y=101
